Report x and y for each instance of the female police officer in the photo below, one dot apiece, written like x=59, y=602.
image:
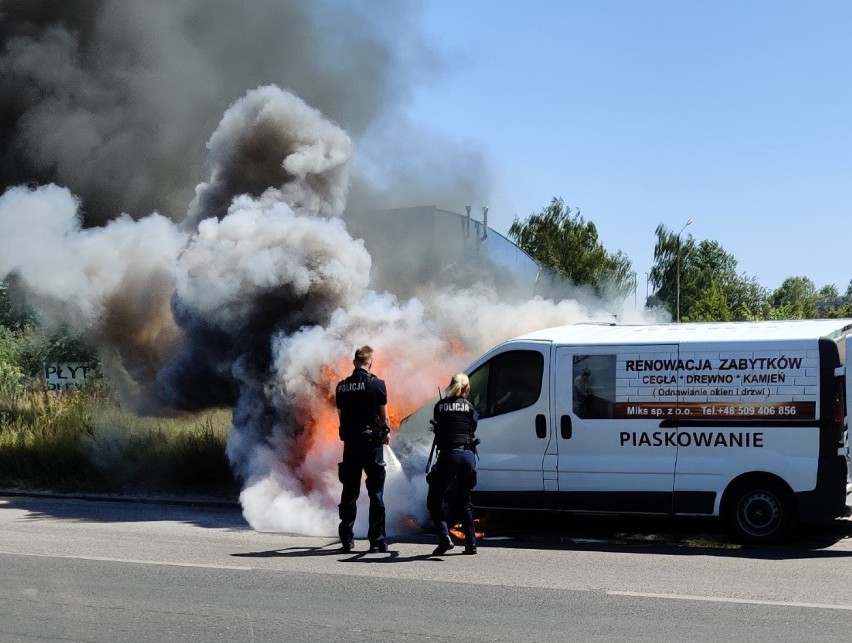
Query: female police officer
x=454, y=474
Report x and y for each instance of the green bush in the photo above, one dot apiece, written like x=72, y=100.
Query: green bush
x=12, y=378
x=173, y=455
x=40, y=435
x=81, y=440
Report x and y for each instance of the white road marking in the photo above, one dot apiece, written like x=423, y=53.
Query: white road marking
x=721, y=599
x=132, y=560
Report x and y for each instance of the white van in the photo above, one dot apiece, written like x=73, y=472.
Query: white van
x=741, y=420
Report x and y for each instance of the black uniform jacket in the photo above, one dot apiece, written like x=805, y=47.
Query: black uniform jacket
x=359, y=397
x=455, y=423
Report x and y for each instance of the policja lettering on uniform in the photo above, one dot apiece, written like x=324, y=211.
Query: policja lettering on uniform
x=350, y=387
x=459, y=405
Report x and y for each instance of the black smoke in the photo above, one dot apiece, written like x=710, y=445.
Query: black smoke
x=116, y=99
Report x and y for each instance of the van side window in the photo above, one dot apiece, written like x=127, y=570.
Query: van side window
x=593, y=386
x=508, y=382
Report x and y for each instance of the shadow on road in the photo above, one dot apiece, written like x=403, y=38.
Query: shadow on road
x=530, y=530
x=673, y=535
x=202, y=512
x=354, y=556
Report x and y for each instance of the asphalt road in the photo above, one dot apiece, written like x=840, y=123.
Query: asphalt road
x=78, y=570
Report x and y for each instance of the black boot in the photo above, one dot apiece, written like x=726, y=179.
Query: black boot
x=445, y=546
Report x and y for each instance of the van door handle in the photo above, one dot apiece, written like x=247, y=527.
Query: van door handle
x=565, y=427
x=540, y=426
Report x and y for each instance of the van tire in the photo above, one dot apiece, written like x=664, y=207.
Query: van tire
x=760, y=511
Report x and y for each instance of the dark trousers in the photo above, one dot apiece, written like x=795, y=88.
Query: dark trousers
x=361, y=457
x=450, y=483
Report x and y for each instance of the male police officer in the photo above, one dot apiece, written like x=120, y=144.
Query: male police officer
x=362, y=408
x=454, y=474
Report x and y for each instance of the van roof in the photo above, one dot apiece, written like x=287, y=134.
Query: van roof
x=694, y=332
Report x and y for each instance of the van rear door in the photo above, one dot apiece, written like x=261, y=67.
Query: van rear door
x=612, y=452
x=847, y=360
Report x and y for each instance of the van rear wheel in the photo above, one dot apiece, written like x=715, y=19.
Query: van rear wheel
x=761, y=511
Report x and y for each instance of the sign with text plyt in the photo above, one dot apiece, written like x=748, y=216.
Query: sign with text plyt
x=66, y=376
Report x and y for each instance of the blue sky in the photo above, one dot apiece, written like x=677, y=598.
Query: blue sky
x=733, y=114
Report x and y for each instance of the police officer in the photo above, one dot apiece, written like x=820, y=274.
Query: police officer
x=454, y=474
x=362, y=408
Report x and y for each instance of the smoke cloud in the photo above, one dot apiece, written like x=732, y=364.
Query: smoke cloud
x=116, y=99
x=240, y=285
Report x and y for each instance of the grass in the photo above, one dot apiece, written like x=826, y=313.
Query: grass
x=82, y=441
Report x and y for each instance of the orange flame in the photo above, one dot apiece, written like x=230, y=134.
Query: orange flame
x=321, y=420
x=456, y=530
x=324, y=422
x=456, y=347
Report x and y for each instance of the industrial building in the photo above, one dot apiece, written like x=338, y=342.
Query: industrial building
x=422, y=245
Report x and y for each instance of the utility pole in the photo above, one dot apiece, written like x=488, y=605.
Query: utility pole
x=688, y=222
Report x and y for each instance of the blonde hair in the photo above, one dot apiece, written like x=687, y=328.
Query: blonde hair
x=459, y=384
x=363, y=355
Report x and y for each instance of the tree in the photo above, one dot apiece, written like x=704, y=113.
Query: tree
x=13, y=314
x=795, y=298
x=828, y=301
x=560, y=239
x=747, y=299
x=710, y=288
x=25, y=344
x=844, y=305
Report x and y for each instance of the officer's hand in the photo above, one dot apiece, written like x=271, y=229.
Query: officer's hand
x=386, y=439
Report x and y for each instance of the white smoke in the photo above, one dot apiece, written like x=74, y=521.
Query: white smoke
x=260, y=306
x=43, y=241
x=256, y=249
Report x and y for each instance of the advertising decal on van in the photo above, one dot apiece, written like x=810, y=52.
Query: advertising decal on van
x=721, y=386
